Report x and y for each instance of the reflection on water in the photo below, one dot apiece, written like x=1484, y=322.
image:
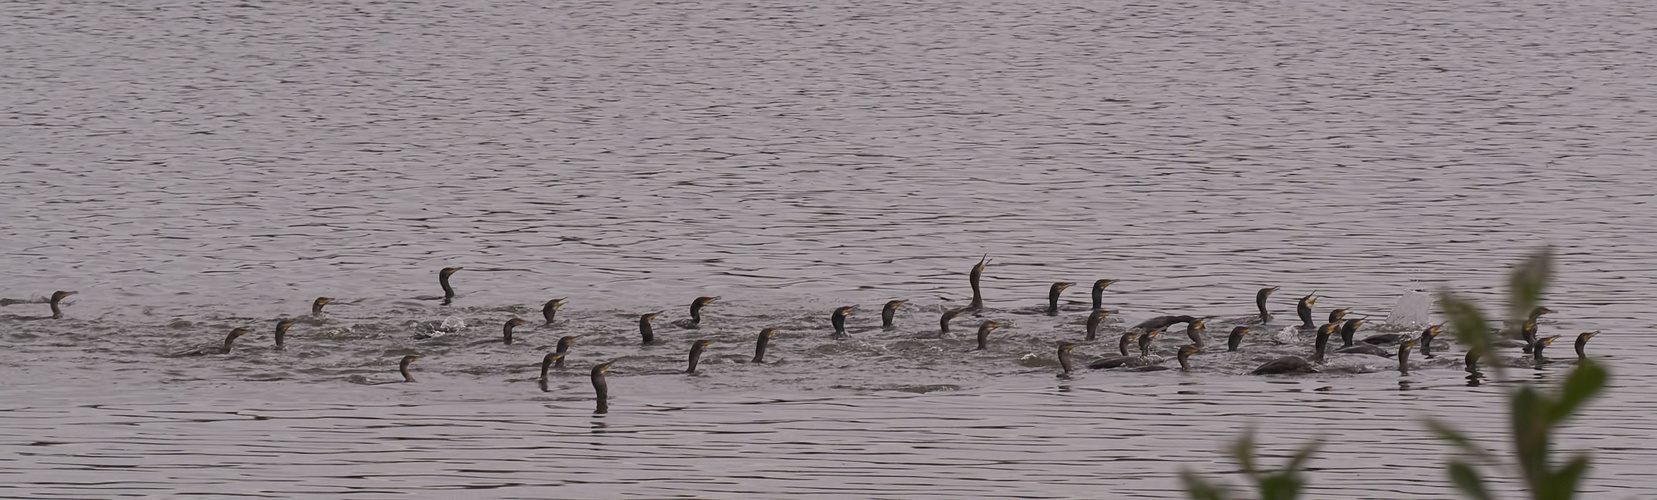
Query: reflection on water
x=194, y=168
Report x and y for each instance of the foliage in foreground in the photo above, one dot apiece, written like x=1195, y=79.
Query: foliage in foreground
x=1534, y=414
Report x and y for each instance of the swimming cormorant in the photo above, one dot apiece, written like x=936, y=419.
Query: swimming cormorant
x=976, y=275
x=402, y=367
x=282, y=327
x=645, y=332
x=889, y=313
x=1304, y=309
x=601, y=388
x=1582, y=344
x=1236, y=338
x=1297, y=364
x=550, y=311
x=1064, y=357
x=1053, y=296
x=506, y=331
x=696, y=306
x=57, y=298
x=1099, y=293
x=696, y=349
x=1260, y=302
x=552, y=359
x=764, y=339
x=984, y=333
x=316, y=305
x=563, y=349
x=943, y=321
x=1093, y=320
x=443, y=279
x=838, y=319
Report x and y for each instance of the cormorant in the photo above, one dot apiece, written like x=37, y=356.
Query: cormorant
x=1093, y=320
x=645, y=331
x=1053, y=296
x=1161, y=322
x=1404, y=355
x=1099, y=293
x=550, y=311
x=1064, y=358
x=1236, y=338
x=1194, y=330
x=402, y=367
x=443, y=279
x=984, y=333
x=764, y=339
x=316, y=305
x=1582, y=344
x=838, y=319
x=601, y=388
x=696, y=306
x=943, y=321
x=1297, y=364
x=552, y=359
x=1184, y=357
x=1304, y=309
x=1536, y=348
x=976, y=275
x=696, y=349
x=1336, y=315
x=282, y=327
x=229, y=341
x=563, y=349
x=889, y=313
x=1349, y=328
x=57, y=298
x=506, y=331
x=1260, y=302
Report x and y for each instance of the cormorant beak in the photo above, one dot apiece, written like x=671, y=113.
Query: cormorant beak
x=1589, y=335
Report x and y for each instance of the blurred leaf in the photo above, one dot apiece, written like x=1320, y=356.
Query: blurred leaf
x=1468, y=481
x=1528, y=281
x=1584, y=382
x=1469, y=325
x=1530, y=433
x=1198, y=488
x=1562, y=484
x=1448, y=434
x=1282, y=486
x=1243, y=452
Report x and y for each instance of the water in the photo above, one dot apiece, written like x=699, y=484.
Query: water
x=191, y=168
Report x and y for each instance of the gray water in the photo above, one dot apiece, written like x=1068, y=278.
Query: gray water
x=193, y=168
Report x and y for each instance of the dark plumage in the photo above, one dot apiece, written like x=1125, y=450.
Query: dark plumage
x=888, y=314
x=1053, y=296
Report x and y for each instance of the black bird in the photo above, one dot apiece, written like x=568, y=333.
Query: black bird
x=648, y=334
x=696, y=306
x=1404, y=355
x=402, y=367
x=563, y=349
x=1536, y=348
x=1099, y=293
x=838, y=319
x=1527, y=331
x=1427, y=337
x=696, y=349
x=443, y=279
x=506, y=331
x=316, y=305
x=1260, y=302
x=1336, y=315
x=550, y=311
x=1053, y=296
x=1349, y=328
x=229, y=341
x=1162, y=322
x=1064, y=358
x=1194, y=330
x=1297, y=364
x=1472, y=362
x=1236, y=338
x=974, y=278
x=282, y=327
x=1582, y=344
x=943, y=321
x=889, y=313
x=552, y=359
x=601, y=388
x=1125, y=359
x=1304, y=309
x=1093, y=320
x=984, y=333
x=764, y=339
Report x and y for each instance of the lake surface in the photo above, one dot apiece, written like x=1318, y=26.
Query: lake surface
x=193, y=168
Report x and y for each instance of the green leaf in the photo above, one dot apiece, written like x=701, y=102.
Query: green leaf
x=1448, y=434
x=1530, y=433
x=1298, y=461
x=1584, y=382
x=1243, y=451
x=1468, y=325
x=1562, y=485
x=1468, y=481
x=1527, y=282
x=1198, y=488
x=1283, y=486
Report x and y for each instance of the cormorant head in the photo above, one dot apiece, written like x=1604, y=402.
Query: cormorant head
x=1240, y=331
x=992, y=325
x=322, y=301
x=1539, y=311
x=768, y=332
x=284, y=325
x=517, y=322
x=1060, y=286
x=1266, y=292
x=1337, y=315
x=568, y=340
x=895, y=303
x=650, y=316
x=448, y=271
x=1066, y=346
x=1546, y=341
x=1187, y=350
x=1433, y=331
x=1355, y=322
x=556, y=303
x=1310, y=299
x=410, y=358
x=1406, y=344
x=846, y=309
x=1199, y=324
x=702, y=343
x=600, y=369
x=1588, y=335
x=57, y=296
x=1103, y=283
x=237, y=332
x=702, y=301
